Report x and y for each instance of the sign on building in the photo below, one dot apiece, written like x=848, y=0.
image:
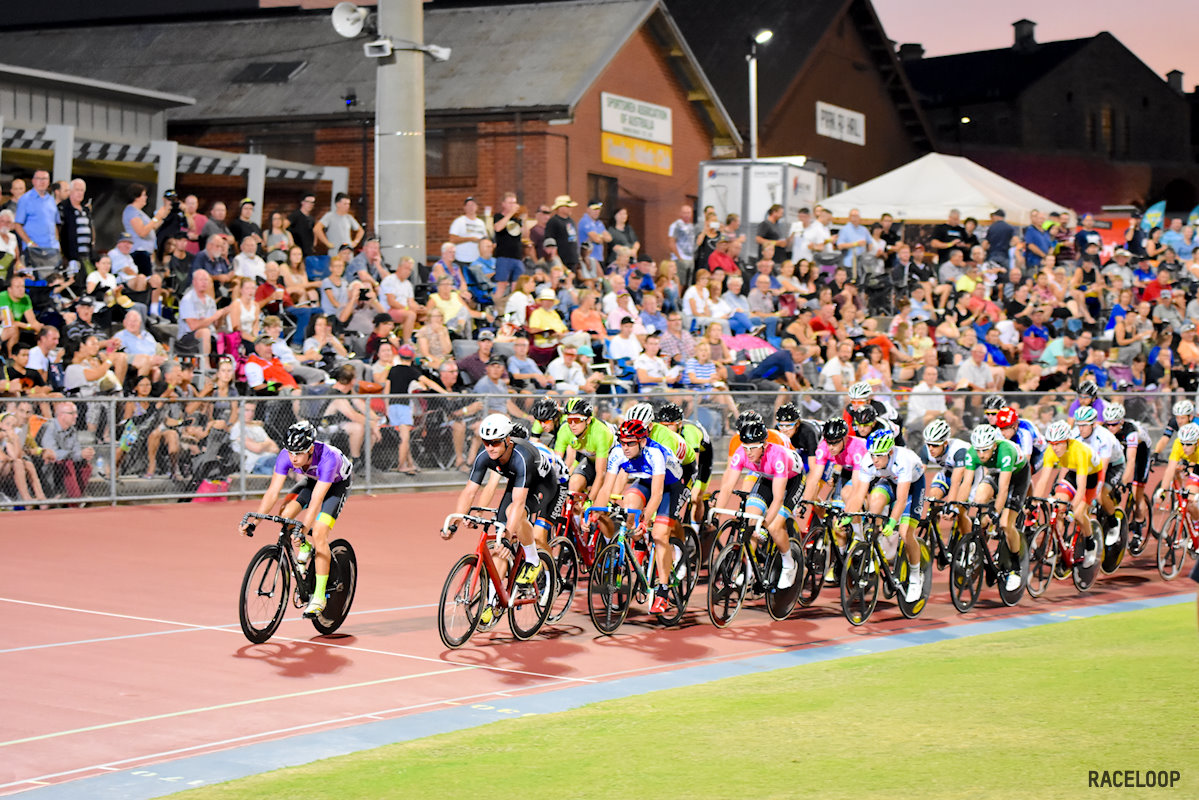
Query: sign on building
x=840, y=123
x=636, y=134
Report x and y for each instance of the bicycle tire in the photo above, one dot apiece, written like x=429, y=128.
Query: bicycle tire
x=816, y=554
x=343, y=582
x=691, y=553
x=1113, y=555
x=1084, y=576
x=526, y=619
x=1139, y=533
x=609, y=589
x=260, y=625
x=727, y=531
x=566, y=564
x=464, y=587
x=1011, y=598
x=859, y=584
x=781, y=602
x=1171, y=547
x=913, y=609
x=1042, y=558
x=727, y=579
x=966, y=572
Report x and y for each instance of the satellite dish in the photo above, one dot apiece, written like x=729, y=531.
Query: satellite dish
x=349, y=19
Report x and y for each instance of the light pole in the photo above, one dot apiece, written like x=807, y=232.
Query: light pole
x=761, y=37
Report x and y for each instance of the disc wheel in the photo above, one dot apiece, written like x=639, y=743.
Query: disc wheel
x=339, y=594
x=1042, y=558
x=966, y=573
x=727, y=579
x=1084, y=576
x=859, y=584
x=691, y=556
x=902, y=568
x=264, y=592
x=781, y=602
x=609, y=589
x=530, y=605
x=566, y=565
x=1010, y=598
x=461, y=601
x=1171, y=547
x=1113, y=554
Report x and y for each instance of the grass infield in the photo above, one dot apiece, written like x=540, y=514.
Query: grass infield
x=1020, y=714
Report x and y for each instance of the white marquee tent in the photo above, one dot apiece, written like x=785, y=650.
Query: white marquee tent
x=926, y=189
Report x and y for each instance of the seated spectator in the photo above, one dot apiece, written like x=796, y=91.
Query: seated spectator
x=145, y=416
x=19, y=379
x=67, y=465
x=569, y=375
x=837, y=374
x=652, y=318
x=265, y=373
x=677, y=345
x=547, y=326
x=20, y=306
x=398, y=296
x=975, y=374
x=272, y=327
x=198, y=314
x=496, y=400
x=587, y=317
x=352, y=416
x=653, y=373
x=625, y=309
x=222, y=412
x=520, y=299
x=326, y=350
x=624, y=345
x=697, y=304
x=616, y=287
x=383, y=332
x=721, y=353
x=524, y=372
x=706, y=378
x=17, y=469
x=453, y=406
x=385, y=359
x=247, y=263
x=90, y=374
x=779, y=368
x=474, y=366
x=368, y=267
x=250, y=440
x=433, y=340
x=749, y=316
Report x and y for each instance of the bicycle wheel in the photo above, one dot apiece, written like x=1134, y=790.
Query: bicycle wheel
x=859, y=584
x=1084, y=575
x=1010, y=598
x=1171, y=547
x=264, y=592
x=461, y=601
x=1138, y=520
x=781, y=602
x=1113, y=554
x=816, y=556
x=526, y=618
x=724, y=534
x=966, y=573
x=609, y=589
x=902, y=568
x=1042, y=558
x=691, y=558
x=343, y=581
x=727, y=579
x=566, y=565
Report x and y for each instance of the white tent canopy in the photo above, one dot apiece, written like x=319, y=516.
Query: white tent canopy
x=926, y=189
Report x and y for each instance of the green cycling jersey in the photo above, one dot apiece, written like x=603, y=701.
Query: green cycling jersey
x=1006, y=458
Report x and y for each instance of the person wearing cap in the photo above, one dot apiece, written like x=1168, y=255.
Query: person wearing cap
x=466, y=231
x=550, y=247
x=265, y=372
x=561, y=228
x=245, y=227
x=1119, y=266
x=998, y=240
x=1134, y=236
x=368, y=266
x=569, y=373
x=474, y=366
x=546, y=324
x=383, y=331
x=85, y=326
x=338, y=226
x=593, y=230
x=272, y=326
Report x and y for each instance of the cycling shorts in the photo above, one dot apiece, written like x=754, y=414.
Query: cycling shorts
x=763, y=495
x=544, y=501
x=913, y=508
x=675, y=497
x=1068, y=485
x=585, y=467
x=1141, y=467
x=331, y=506
x=1017, y=489
x=704, y=459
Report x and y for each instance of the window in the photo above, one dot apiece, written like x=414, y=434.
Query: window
x=1106, y=133
x=451, y=153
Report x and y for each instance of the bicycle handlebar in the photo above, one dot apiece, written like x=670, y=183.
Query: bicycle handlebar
x=739, y=513
x=635, y=513
x=286, y=522
x=451, y=525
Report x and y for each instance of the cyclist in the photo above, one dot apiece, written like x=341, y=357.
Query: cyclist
x=1184, y=412
x=1111, y=457
x=685, y=453
x=948, y=456
x=324, y=485
x=865, y=421
x=777, y=488
x=861, y=395
x=654, y=480
x=533, y=489
x=590, y=440
x=1005, y=481
x=772, y=436
x=1023, y=434
x=1078, y=484
x=1135, y=443
x=1088, y=396
x=548, y=418
x=895, y=486
x=837, y=457
x=803, y=434
x=1185, y=453
x=696, y=435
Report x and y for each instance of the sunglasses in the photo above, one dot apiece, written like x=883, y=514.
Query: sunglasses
x=493, y=442
x=576, y=420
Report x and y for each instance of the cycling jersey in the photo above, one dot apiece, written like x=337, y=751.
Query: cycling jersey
x=903, y=466
x=1103, y=443
x=594, y=443
x=952, y=457
x=559, y=464
x=697, y=436
x=654, y=459
x=806, y=439
x=673, y=442
x=561, y=433
x=850, y=454
x=1130, y=434
x=772, y=437
x=1006, y=458
x=527, y=467
x=328, y=464
x=1096, y=404
x=883, y=411
x=775, y=461
x=1079, y=458
x=1177, y=454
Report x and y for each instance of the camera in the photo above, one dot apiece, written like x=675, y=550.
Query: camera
x=172, y=197
x=362, y=294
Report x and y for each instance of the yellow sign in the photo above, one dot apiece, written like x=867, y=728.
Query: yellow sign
x=636, y=154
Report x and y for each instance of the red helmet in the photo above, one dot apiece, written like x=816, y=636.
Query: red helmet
x=632, y=429
x=1006, y=418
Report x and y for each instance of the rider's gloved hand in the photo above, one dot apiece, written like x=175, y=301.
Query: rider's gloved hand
x=889, y=528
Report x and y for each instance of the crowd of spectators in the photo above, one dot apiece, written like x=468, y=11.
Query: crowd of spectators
x=188, y=316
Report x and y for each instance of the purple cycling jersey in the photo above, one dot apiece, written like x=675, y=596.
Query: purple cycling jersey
x=328, y=464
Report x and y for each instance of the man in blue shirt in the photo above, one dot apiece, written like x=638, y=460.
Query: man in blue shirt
x=1037, y=241
x=1171, y=237
x=1087, y=235
x=778, y=366
x=37, y=216
x=852, y=238
x=591, y=229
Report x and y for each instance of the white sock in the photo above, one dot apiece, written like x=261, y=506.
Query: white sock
x=530, y=553
x=788, y=559
x=678, y=553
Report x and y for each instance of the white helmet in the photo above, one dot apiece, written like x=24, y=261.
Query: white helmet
x=643, y=412
x=1113, y=412
x=1058, y=431
x=984, y=437
x=1189, y=433
x=1184, y=408
x=495, y=426
x=936, y=432
x=860, y=391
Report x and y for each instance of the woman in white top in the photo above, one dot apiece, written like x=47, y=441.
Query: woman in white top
x=520, y=299
x=697, y=302
x=721, y=308
x=9, y=245
x=278, y=240
x=102, y=281
x=384, y=361
x=244, y=310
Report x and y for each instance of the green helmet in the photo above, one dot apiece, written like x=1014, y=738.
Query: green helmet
x=577, y=406
x=880, y=442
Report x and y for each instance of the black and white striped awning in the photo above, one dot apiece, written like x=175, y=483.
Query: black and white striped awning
x=109, y=151
x=25, y=139
x=291, y=173
x=205, y=164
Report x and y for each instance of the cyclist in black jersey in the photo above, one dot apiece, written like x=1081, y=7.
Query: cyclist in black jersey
x=804, y=434
x=1183, y=412
x=1136, y=454
x=696, y=435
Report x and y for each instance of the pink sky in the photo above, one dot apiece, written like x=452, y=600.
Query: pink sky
x=1161, y=33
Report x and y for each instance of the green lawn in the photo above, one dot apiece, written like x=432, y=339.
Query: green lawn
x=1023, y=714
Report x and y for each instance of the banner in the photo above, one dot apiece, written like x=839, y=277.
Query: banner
x=1193, y=217
x=1153, y=216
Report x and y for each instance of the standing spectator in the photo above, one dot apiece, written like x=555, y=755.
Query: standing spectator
x=1134, y=236
x=37, y=218
x=852, y=240
x=143, y=229
x=194, y=223
x=77, y=233
x=800, y=248
x=561, y=228
x=216, y=225
x=277, y=242
x=300, y=224
x=593, y=230
x=509, y=228
x=682, y=242
x=466, y=232
x=623, y=234
x=338, y=226
x=67, y=464
x=770, y=232
x=401, y=380
x=15, y=190
x=949, y=236
x=537, y=233
x=999, y=238
x=245, y=226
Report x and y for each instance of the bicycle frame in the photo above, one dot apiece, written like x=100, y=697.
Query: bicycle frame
x=622, y=528
x=1058, y=508
x=288, y=529
x=587, y=550
x=483, y=551
x=749, y=536
x=930, y=532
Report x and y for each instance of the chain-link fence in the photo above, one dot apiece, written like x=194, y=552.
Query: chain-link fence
x=114, y=449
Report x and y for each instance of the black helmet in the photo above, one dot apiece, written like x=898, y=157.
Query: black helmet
x=577, y=406
x=787, y=412
x=994, y=402
x=519, y=431
x=835, y=430
x=669, y=412
x=300, y=437
x=866, y=415
x=545, y=409
x=753, y=432
x=747, y=416
x=1088, y=389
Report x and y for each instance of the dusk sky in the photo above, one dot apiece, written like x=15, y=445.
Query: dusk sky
x=1160, y=32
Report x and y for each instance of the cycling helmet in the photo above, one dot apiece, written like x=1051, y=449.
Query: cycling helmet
x=984, y=437
x=632, y=430
x=746, y=416
x=866, y=415
x=994, y=402
x=860, y=391
x=519, y=431
x=880, y=443
x=1189, y=433
x=936, y=432
x=1184, y=408
x=753, y=433
x=1088, y=389
x=545, y=409
x=1085, y=415
x=495, y=426
x=1006, y=418
x=1059, y=431
x=787, y=412
x=300, y=437
x=1113, y=412
x=643, y=412
x=577, y=406
x=835, y=430
x=670, y=412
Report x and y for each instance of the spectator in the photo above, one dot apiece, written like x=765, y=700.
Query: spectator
x=778, y=367
x=524, y=372
x=77, y=233
x=67, y=464
x=853, y=239
x=561, y=229
x=198, y=314
x=353, y=416
x=141, y=351
x=568, y=373
x=949, y=237
x=265, y=373
x=496, y=400
x=245, y=227
x=653, y=373
x=677, y=345
x=15, y=467
x=37, y=221
x=15, y=190
x=383, y=332
x=593, y=230
x=652, y=318
x=250, y=440
x=19, y=379
x=624, y=345
x=46, y=356
x=368, y=267
x=547, y=326
x=403, y=379
x=456, y=315
x=433, y=340
x=926, y=401
x=338, y=226
x=327, y=352
x=623, y=234
x=20, y=307
x=974, y=374
x=216, y=226
x=837, y=373
x=301, y=224
x=769, y=232
x=474, y=366
x=247, y=263
x=682, y=236
x=212, y=260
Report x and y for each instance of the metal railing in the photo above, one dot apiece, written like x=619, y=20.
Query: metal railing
x=129, y=449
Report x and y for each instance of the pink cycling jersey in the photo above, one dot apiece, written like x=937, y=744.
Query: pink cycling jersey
x=776, y=460
x=849, y=456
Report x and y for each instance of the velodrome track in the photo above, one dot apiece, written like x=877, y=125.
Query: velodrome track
x=120, y=647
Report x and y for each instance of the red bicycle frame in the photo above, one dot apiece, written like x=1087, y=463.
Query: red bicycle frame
x=483, y=551
x=587, y=550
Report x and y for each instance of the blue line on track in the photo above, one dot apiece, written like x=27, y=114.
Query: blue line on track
x=170, y=777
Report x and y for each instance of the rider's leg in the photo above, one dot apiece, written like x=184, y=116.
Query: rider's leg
x=663, y=552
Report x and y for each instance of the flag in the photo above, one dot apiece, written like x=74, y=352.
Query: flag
x=1153, y=216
